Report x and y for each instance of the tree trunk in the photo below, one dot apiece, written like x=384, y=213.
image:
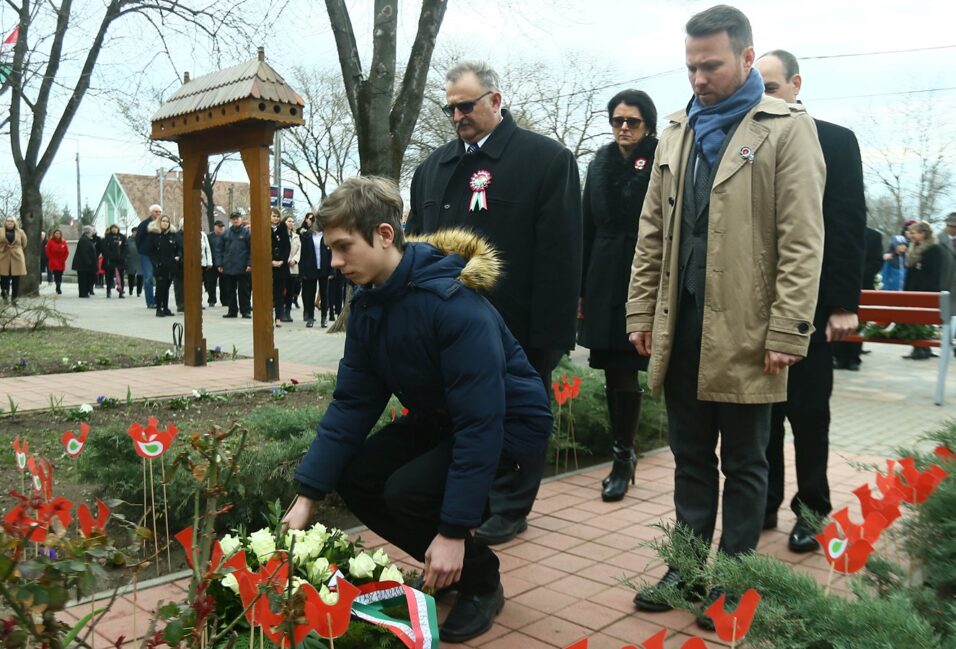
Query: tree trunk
x=31, y=218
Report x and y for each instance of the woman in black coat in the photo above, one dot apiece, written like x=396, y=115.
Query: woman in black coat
x=613, y=195
x=165, y=249
x=924, y=270
x=85, y=261
x=114, y=259
x=281, y=248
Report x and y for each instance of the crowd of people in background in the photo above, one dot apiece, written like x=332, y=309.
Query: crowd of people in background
x=148, y=262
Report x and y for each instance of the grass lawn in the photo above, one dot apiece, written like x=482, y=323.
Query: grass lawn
x=43, y=351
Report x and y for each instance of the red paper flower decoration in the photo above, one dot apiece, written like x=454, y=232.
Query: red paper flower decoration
x=915, y=485
x=560, y=394
x=656, y=641
x=89, y=527
x=149, y=441
x=18, y=523
x=74, y=444
x=42, y=476
x=21, y=453
x=732, y=627
x=870, y=530
x=575, y=387
x=943, y=452
x=185, y=539
x=888, y=506
x=844, y=555
x=331, y=620
x=59, y=508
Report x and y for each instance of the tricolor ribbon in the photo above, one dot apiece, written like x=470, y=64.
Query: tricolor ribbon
x=420, y=631
x=479, y=183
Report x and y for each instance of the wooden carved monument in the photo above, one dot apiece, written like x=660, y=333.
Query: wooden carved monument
x=236, y=109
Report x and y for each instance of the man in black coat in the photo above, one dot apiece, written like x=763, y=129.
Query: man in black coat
x=315, y=268
x=234, y=261
x=811, y=381
x=846, y=356
x=521, y=192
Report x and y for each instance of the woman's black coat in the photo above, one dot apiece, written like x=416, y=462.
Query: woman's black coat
x=85, y=257
x=163, y=248
x=613, y=195
x=926, y=274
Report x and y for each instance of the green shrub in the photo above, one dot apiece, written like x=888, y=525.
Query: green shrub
x=278, y=423
x=265, y=474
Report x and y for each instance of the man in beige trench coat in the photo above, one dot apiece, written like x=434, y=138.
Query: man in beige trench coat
x=725, y=275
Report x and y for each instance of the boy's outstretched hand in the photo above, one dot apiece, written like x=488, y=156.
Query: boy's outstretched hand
x=443, y=562
x=299, y=514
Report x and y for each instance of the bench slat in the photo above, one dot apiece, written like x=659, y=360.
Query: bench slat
x=900, y=314
x=919, y=299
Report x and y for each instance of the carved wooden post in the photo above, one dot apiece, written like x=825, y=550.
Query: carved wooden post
x=194, y=167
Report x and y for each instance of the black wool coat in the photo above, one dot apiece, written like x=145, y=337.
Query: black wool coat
x=844, y=224
x=613, y=196
x=163, y=249
x=927, y=273
x=533, y=220
x=309, y=266
x=85, y=257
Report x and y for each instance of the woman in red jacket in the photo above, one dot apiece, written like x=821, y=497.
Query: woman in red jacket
x=56, y=252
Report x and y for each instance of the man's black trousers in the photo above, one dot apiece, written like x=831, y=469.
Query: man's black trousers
x=808, y=409
x=233, y=284
x=694, y=427
x=395, y=486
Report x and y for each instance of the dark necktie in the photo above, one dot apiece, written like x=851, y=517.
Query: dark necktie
x=472, y=149
x=701, y=182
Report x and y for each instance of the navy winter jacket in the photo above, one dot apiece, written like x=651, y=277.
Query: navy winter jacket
x=446, y=353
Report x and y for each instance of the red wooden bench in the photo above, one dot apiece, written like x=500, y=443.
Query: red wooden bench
x=911, y=307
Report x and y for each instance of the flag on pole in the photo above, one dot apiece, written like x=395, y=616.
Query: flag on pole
x=6, y=51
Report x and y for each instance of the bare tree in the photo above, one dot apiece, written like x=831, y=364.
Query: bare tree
x=384, y=119
x=324, y=151
x=910, y=174
x=37, y=123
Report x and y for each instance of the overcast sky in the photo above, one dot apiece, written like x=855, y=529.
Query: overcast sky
x=634, y=39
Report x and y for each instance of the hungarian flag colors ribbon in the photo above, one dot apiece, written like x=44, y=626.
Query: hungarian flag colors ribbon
x=479, y=183
x=420, y=631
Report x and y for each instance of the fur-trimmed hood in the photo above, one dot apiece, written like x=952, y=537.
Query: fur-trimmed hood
x=482, y=268
x=154, y=227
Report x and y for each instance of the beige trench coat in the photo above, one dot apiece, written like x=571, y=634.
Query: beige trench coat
x=764, y=252
x=12, y=258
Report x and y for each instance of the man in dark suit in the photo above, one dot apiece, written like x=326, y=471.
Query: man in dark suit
x=315, y=268
x=521, y=192
x=811, y=381
x=846, y=356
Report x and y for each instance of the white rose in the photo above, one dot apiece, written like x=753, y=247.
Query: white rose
x=230, y=582
x=262, y=543
x=230, y=545
x=298, y=535
x=380, y=558
x=327, y=596
x=342, y=543
x=392, y=573
x=362, y=566
x=318, y=534
x=319, y=571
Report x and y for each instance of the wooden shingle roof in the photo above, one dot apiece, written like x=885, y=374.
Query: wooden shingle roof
x=248, y=93
x=253, y=79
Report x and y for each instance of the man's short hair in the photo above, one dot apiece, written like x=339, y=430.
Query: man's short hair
x=723, y=18
x=790, y=64
x=640, y=100
x=361, y=204
x=486, y=75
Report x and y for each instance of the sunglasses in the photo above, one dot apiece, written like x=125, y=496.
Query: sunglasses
x=464, y=107
x=632, y=122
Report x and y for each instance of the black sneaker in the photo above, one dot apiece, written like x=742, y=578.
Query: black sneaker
x=230, y=315
x=471, y=616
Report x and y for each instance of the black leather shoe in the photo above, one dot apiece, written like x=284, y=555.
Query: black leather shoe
x=770, y=521
x=471, y=616
x=230, y=315
x=246, y=316
x=500, y=529
x=802, y=538
x=853, y=366
x=310, y=323
x=704, y=621
x=324, y=322
x=647, y=600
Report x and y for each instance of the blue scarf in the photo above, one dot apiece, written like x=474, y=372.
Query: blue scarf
x=709, y=122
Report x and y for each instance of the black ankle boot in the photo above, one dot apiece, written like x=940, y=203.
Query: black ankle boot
x=622, y=472
x=625, y=412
